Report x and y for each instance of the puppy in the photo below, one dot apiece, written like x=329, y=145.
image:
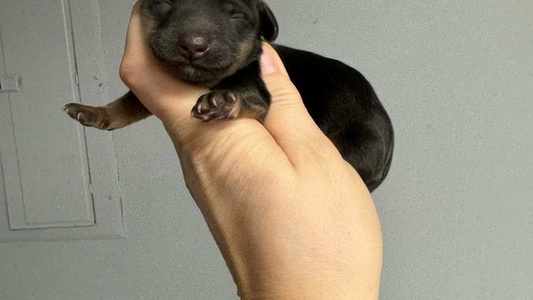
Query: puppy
x=217, y=44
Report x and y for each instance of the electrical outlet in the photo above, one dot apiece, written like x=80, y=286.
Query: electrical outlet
x=10, y=83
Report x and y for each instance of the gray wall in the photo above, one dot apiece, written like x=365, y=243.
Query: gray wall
x=456, y=210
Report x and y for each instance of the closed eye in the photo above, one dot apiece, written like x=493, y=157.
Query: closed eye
x=235, y=11
x=238, y=16
x=161, y=6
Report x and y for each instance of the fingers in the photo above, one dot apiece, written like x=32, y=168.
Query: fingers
x=135, y=44
x=288, y=120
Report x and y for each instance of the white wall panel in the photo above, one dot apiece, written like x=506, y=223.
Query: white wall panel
x=45, y=155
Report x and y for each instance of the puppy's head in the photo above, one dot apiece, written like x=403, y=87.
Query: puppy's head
x=204, y=41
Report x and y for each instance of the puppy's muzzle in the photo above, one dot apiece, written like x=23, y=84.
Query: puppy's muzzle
x=194, y=46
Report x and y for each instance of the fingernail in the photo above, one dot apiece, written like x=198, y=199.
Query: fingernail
x=269, y=63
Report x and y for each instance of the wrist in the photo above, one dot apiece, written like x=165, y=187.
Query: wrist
x=285, y=273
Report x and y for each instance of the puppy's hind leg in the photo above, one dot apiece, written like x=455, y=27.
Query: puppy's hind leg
x=368, y=150
x=124, y=111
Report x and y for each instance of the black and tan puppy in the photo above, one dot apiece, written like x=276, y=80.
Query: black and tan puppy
x=217, y=44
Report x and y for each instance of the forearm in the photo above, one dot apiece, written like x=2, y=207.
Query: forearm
x=285, y=262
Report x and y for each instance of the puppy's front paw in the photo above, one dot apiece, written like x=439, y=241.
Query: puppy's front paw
x=87, y=115
x=217, y=105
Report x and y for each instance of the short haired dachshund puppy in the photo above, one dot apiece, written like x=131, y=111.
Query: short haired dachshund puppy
x=218, y=43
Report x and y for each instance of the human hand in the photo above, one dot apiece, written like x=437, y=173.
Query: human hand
x=292, y=219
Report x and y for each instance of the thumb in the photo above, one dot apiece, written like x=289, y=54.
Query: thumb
x=278, y=82
x=288, y=121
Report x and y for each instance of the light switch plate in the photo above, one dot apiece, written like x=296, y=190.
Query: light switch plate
x=10, y=83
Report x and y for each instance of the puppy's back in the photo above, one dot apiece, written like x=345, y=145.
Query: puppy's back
x=346, y=108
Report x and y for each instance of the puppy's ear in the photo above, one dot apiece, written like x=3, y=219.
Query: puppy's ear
x=269, y=24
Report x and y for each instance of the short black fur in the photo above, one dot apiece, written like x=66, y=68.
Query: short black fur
x=217, y=44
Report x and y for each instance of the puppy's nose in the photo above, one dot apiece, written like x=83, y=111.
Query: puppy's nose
x=196, y=45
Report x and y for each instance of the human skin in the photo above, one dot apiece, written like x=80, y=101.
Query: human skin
x=291, y=218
